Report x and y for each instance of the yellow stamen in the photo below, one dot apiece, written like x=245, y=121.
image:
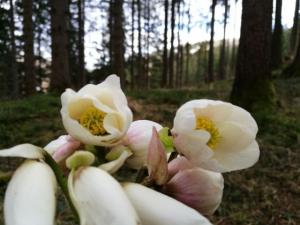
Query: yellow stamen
x=208, y=125
x=92, y=119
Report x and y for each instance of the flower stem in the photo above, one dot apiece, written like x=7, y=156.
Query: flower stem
x=62, y=181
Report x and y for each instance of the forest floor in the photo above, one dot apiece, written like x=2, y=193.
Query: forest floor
x=268, y=193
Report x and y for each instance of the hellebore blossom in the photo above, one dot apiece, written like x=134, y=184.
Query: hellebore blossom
x=198, y=188
x=97, y=114
x=216, y=135
x=30, y=195
x=137, y=140
x=155, y=208
x=62, y=147
x=97, y=196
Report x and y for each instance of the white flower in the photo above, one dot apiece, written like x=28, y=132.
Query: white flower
x=216, y=135
x=155, y=208
x=97, y=114
x=198, y=188
x=97, y=196
x=138, y=139
x=30, y=195
x=62, y=147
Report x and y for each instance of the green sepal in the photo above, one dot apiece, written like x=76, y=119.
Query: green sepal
x=166, y=139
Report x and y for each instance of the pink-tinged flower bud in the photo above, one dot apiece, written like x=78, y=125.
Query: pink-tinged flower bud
x=137, y=140
x=198, y=188
x=178, y=164
x=157, y=160
x=62, y=147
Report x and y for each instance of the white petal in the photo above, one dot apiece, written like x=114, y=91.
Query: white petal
x=138, y=138
x=99, y=198
x=52, y=146
x=27, y=151
x=233, y=137
x=115, y=165
x=193, y=146
x=155, y=208
x=30, y=195
x=243, y=117
x=233, y=161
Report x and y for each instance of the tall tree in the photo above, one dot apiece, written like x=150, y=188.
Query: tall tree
x=164, y=79
x=30, y=82
x=81, y=72
x=252, y=88
x=222, y=63
x=295, y=30
x=187, y=47
x=15, y=80
x=60, y=74
x=277, y=38
x=132, y=77
x=211, y=43
x=171, y=57
x=139, y=59
x=117, y=39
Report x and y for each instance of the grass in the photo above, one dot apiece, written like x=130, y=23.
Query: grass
x=268, y=193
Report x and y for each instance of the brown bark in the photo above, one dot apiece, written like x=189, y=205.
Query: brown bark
x=295, y=30
x=171, y=57
x=222, y=71
x=81, y=72
x=211, y=43
x=252, y=88
x=60, y=74
x=132, y=77
x=30, y=82
x=164, y=79
x=14, y=70
x=187, y=49
x=139, y=59
x=276, y=59
x=117, y=40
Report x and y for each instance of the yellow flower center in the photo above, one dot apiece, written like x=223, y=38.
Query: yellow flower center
x=92, y=119
x=208, y=125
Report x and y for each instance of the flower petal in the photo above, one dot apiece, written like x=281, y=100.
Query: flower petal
x=27, y=151
x=200, y=189
x=157, y=160
x=99, y=198
x=234, y=137
x=30, y=195
x=155, y=208
x=115, y=165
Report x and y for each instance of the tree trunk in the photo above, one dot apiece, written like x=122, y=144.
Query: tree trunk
x=81, y=72
x=211, y=43
x=222, y=63
x=30, y=81
x=147, y=26
x=165, y=54
x=171, y=58
x=132, y=77
x=277, y=38
x=139, y=59
x=14, y=71
x=60, y=75
x=117, y=40
x=187, y=48
x=295, y=30
x=252, y=88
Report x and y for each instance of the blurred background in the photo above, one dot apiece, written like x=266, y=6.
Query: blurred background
x=166, y=52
